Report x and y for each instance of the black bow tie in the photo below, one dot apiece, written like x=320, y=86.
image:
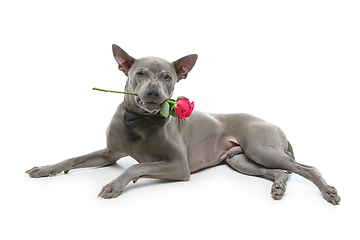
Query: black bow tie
x=132, y=120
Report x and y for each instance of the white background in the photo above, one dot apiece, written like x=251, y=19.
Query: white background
x=292, y=63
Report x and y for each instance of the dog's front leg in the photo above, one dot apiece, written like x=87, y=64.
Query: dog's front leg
x=96, y=159
x=168, y=169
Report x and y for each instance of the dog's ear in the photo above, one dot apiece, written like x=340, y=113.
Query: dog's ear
x=184, y=65
x=124, y=60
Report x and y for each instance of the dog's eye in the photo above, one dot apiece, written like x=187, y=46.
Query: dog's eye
x=167, y=77
x=140, y=73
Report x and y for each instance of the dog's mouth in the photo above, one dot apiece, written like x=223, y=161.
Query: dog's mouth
x=151, y=107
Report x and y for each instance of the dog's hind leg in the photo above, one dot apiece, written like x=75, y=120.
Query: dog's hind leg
x=96, y=159
x=277, y=159
x=243, y=164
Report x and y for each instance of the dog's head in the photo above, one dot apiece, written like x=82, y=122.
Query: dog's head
x=152, y=79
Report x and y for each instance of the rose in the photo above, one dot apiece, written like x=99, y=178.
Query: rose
x=181, y=108
x=184, y=108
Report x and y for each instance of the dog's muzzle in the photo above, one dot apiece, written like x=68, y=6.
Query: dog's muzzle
x=151, y=107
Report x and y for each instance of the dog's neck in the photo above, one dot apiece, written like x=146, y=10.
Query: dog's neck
x=133, y=120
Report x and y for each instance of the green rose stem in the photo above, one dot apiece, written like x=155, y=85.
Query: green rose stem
x=111, y=91
x=167, y=107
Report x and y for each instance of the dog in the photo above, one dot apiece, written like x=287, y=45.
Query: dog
x=174, y=149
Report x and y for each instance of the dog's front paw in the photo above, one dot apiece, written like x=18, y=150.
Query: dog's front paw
x=331, y=195
x=111, y=190
x=45, y=171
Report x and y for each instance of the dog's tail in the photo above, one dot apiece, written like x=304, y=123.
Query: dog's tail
x=290, y=150
x=290, y=153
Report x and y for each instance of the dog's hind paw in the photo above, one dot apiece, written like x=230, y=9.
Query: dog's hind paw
x=277, y=190
x=331, y=195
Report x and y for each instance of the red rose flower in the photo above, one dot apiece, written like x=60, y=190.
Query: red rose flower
x=184, y=108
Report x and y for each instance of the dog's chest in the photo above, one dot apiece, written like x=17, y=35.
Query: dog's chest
x=158, y=145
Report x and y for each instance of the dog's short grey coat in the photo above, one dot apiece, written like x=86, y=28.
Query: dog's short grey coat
x=179, y=148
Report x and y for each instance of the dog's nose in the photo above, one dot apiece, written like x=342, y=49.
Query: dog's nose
x=153, y=92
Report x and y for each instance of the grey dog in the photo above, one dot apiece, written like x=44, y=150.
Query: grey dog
x=171, y=148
